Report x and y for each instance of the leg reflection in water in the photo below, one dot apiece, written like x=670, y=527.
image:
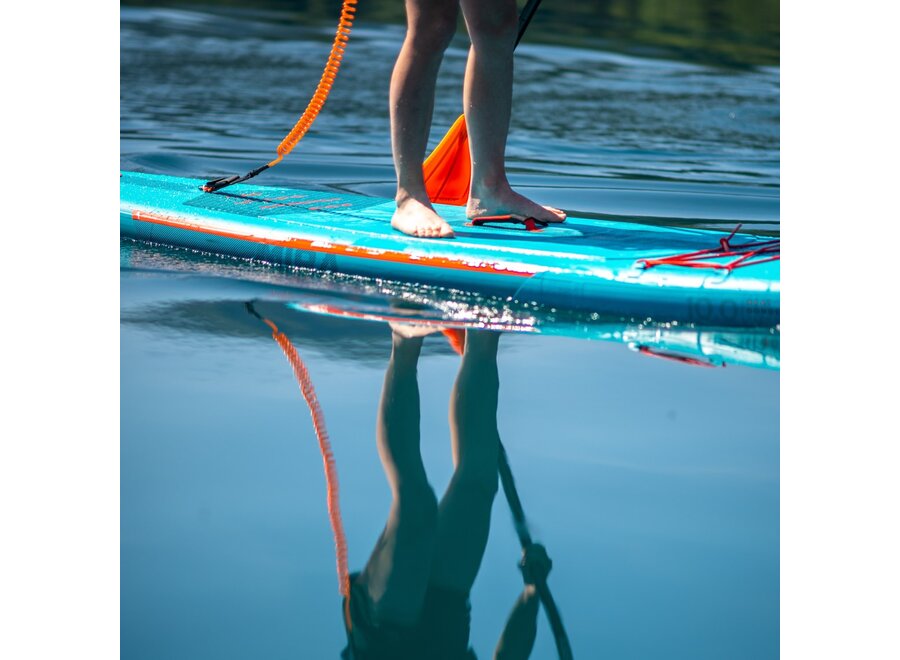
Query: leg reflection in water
x=412, y=598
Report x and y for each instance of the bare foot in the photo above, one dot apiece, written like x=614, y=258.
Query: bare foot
x=417, y=219
x=506, y=201
x=411, y=330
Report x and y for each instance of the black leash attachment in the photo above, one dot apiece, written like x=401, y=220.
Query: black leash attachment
x=223, y=181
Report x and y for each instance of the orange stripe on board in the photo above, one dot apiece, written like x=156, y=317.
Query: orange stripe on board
x=392, y=256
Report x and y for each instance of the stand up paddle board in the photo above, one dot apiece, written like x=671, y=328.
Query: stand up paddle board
x=214, y=299
x=631, y=270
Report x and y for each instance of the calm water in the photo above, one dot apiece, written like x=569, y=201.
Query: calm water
x=653, y=483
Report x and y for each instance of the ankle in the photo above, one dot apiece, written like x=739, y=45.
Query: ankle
x=489, y=185
x=405, y=348
x=406, y=196
x=482, y=341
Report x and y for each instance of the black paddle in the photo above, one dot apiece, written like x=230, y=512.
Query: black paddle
x=563, y=647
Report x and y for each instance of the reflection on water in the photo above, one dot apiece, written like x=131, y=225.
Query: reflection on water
x=411, y=600
x=652, y=483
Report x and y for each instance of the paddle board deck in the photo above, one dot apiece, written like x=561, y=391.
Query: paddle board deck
x=583, y=264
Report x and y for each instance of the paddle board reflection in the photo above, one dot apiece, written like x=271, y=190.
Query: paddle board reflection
x=412, y=598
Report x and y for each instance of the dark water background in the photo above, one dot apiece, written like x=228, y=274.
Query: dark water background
x=735, y=33
x=653, y=483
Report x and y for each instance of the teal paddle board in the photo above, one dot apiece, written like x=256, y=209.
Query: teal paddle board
x=351, y=313
x=602, y=266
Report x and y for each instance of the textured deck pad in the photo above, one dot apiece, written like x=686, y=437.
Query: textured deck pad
x=582, y=263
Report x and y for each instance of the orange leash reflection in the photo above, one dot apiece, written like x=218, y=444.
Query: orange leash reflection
x=331, y=478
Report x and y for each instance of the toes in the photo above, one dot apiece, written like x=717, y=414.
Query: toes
x=422, y=227
x=559, y=215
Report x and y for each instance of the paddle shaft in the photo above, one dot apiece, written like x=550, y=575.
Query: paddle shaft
x=525, y=17
x=563, y=647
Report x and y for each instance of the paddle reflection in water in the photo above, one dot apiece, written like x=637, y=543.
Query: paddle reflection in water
x=412, y=598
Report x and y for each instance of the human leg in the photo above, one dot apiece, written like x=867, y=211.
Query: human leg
x=464, y=511
x=430, y=27
x=396, y=575
x=487, y=98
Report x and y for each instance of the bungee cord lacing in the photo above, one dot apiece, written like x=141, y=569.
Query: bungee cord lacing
x=745, y=254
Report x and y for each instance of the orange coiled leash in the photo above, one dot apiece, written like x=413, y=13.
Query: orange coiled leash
x=318, y=419
x=341, y=37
